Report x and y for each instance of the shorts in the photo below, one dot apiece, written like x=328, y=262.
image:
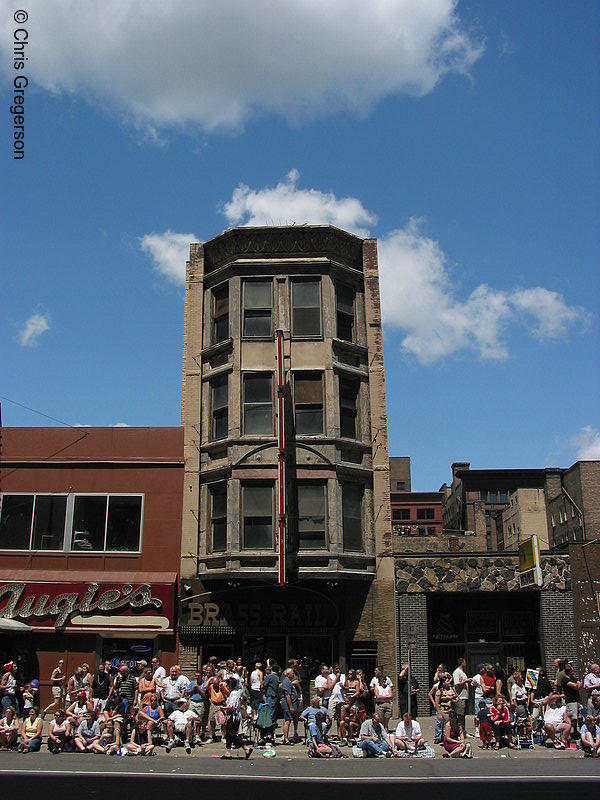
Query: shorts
x=384, y=709
x=335, y=709
x=57, y=692
x=572, y=710
x=212, y=712
x=460, y=707
x=287, y=714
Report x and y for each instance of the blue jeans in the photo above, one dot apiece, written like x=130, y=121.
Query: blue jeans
x=373, y=748
x=438, y=728
x=7, y=701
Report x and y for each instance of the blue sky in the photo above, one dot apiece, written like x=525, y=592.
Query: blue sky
x=464, y=136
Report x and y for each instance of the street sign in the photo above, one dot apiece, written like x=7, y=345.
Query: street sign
x=530, y=571
x=411, y=635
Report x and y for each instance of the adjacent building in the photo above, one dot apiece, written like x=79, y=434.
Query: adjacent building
x=90, y=531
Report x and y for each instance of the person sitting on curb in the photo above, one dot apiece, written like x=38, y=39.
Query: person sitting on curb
x=374, y=740
x=9, y=729
x=590, y=737
x=181, y=721
x=556, y=721
x=78, y=709
x=31, y=732
x=87, y=738
x=60, y=737
x=409, y=737
x=500, y=721
x=140, y=742
x=454, y=738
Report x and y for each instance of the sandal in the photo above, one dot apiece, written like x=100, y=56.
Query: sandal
x=226, y=757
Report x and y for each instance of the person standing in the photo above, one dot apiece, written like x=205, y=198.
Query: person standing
x=462, y=683
x=289, y=704
x=57, y=687
x=101, y=686
x=256, y=686
x=8, y=687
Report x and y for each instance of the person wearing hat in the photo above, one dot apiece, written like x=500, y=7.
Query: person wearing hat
x=8, y=687
x=74, y=685
x=78, y=709
x=181, y=722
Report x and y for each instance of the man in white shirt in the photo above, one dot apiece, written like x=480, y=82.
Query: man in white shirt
x=461, y=685
x=337, y=685
x=159, y=673
x=181, y=721
x=173, y=689
x=322, y=685
x=408, y=735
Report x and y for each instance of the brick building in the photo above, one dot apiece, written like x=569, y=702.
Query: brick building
x=90, y=529
x=286, y=548
x=461, y=587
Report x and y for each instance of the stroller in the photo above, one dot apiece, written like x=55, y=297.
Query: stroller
x=264, y=726
x=523, y=733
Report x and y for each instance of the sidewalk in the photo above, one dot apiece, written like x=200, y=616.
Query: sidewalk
x=299, y=750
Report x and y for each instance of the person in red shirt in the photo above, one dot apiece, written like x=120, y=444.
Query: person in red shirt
x=500, y=720
x=488, y=684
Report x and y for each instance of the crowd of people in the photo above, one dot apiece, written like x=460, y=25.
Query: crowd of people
x=118, y=712
x=548, y=710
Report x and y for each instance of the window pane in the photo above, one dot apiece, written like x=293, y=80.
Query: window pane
x=257, y=295
x=306, y=308
x=220, y=417
x=258, y=420
x=311, y=516
x=257, y=324
x=306, y=294
x=15, y=522
x=221, y=313
x=89, y=522
x=309, y=421
x=258, y=517
x=348, y=409
x=258, y=389
x=258, y=404
x=345, y=312
x=308, y=390
x=49, y=522
x=345, y=298
x=219, y=517
x=352, y=517
x=124, y=518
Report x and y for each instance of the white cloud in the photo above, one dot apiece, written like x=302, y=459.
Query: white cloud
x=169, y=251
x=418, y=294
x=286, y=204
x=587, y=442
x=549, y=310
x=217, y=64
x=36, y=325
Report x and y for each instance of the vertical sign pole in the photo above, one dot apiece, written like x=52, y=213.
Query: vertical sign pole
x=281, y=447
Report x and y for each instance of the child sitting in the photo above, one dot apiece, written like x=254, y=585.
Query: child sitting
x=485, y=729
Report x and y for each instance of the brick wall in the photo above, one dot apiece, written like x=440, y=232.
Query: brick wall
x=412, y=609
x=557, y=631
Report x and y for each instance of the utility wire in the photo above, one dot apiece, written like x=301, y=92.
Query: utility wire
x=35, y=411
